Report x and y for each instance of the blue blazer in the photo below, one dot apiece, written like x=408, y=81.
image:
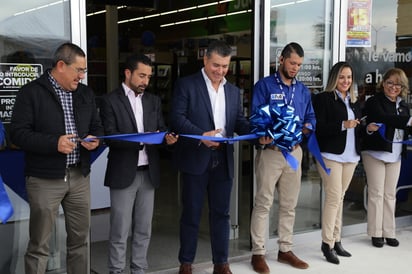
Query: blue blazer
x=191, y=113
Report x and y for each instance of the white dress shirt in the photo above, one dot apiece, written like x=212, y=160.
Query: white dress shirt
x=136, y=103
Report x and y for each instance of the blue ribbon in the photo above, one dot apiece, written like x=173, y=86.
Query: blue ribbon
x=293, y=163
x=313, y=147
x=147, y=138
x=382, y=130
x=2, y=134
x=157, y=137
x=281, y=124
x=6, y=209
x=278, y=122
x=229, y=140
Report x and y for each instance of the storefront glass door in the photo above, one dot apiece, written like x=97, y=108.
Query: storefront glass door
x=30, y=31
x=309, y=24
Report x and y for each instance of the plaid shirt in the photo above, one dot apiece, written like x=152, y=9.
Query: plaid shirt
x=66, y=101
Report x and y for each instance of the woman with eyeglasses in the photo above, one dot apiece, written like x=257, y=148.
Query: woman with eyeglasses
x=381, y=155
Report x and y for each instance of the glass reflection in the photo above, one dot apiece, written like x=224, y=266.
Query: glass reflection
x=30, y=30
x=311, y=29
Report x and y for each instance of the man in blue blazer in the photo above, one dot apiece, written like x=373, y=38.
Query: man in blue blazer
x=206, y=104
x=133, y=169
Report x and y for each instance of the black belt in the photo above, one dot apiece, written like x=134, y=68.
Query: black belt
x=276, y=148
x=221, y=146
x=141, y=168
x=74, y=165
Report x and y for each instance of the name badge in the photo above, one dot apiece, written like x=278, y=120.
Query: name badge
x=276, y=96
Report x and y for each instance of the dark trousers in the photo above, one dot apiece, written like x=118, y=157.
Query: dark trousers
x=217, y=184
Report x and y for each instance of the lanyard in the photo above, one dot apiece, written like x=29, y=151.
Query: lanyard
x=283, y=92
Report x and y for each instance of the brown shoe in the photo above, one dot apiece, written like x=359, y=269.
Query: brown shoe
x=290, y=258
x=185, y=269
x=259, y=264
x=222, y=269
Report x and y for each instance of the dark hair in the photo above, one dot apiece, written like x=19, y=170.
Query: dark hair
x=292, y=48
x=67, y=52
x=219, y=47
x=133, y=61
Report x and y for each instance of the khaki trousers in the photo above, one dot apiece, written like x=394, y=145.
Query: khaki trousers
x=382, y=179
x=335, y=186
x=273, y=172
x=45, y=196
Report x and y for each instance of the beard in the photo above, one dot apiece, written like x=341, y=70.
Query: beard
x=138, y=89
x=286, y=73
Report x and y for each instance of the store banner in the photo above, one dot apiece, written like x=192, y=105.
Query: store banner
x=12, y=77
x=359, y=23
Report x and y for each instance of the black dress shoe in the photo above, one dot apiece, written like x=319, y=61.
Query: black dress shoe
x=340, y=250
x=392, y=241
x=377, y=241
x=330, y=254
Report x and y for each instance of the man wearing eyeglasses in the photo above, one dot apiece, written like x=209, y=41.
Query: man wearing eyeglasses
x=51, y=116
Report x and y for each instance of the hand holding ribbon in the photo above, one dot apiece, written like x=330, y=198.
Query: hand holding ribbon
x=382, y=130
x=157, y=137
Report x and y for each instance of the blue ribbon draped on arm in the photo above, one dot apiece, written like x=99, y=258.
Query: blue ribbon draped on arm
x=6, y=208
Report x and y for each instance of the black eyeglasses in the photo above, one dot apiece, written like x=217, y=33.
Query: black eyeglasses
x=391, y=84
x=78, y=70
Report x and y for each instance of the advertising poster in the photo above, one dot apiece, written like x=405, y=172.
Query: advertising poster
x=358, y=32
x=12, y=77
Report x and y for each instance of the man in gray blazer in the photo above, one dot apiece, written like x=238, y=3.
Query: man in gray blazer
x=133, y=169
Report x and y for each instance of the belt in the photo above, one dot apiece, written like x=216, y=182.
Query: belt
x=76, y=165
x=141, y=168
x=276, y=148
x=221, y=146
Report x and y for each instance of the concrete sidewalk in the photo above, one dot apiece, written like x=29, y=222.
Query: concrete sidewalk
x=365, y=258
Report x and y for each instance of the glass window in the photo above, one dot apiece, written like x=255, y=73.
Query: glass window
x=379, y=37
x=388, y=44
x=30, y=30
x=307, y=23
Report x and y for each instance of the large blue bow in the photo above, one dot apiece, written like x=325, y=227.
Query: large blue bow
x=280, y=123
